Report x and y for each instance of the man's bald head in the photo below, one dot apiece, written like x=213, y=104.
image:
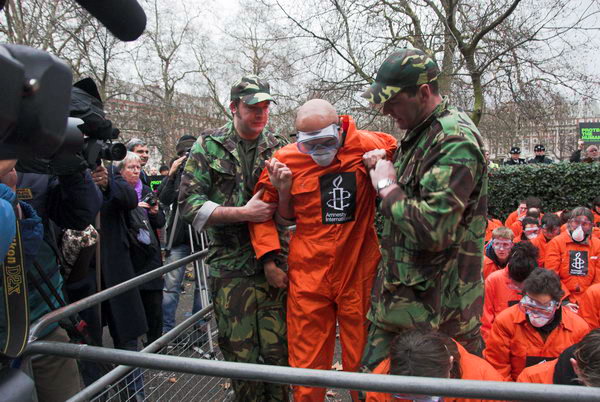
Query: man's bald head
x=315, y=115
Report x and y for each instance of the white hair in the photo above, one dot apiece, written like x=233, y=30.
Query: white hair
x=131, y=156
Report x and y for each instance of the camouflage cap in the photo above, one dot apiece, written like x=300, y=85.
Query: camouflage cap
x=251, y=89
x=405, y=68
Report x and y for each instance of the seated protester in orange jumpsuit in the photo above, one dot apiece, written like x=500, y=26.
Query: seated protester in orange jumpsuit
x=589, y=306
x=491, y=225
x=518, y=227
x=577, y=365
x=574, y=254
x=596, y=211
x=497, y=251
x=524, y=205
x=503, y=287
x=549, y=230
x=536, y=329
x=321, y=181
x=430, y=354
x=530, y=229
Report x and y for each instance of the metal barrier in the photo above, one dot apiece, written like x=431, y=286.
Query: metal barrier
x=193, y=362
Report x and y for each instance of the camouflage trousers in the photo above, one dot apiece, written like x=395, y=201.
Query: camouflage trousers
x=250, y=317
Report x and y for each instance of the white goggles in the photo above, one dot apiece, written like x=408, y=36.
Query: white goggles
x=325, y=139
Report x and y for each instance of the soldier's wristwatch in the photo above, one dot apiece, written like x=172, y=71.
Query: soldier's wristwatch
x=383, y=183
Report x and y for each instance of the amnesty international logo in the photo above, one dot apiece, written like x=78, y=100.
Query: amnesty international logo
x=578, y=263
x=338, y=197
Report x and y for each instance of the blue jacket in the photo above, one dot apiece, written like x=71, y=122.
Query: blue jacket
x=7, y=219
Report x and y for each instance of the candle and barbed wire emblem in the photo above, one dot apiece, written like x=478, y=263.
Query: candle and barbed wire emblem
x=338, y=197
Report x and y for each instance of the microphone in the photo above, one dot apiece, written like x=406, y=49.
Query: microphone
x=125, y=19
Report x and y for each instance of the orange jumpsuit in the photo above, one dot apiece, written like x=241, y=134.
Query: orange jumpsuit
x=497, y=298
x=489, y=267
x=472, y=368
x=542, y=373
x=514, y=344
x=514, y=215
x=333, y=254
x=589, y=306
x=541, y=243
x=577, y=265
x=596, y=217
x=517, y=229
x=491, y=225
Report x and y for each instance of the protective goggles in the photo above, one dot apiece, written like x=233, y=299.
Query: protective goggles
x=531, y=230
x=419, y=398
x=326, y=139
x=502, y=244
x=528, y=305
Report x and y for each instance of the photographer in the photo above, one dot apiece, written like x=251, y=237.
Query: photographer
x=178, y=238
x=140, y=148
x=41, y=208
x=143, y=222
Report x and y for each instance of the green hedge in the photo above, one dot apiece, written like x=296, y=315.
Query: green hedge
x=560, y=186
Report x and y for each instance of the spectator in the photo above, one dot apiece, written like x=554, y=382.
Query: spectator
x=431, y=354
x=497, y=251
x=540, y=155
x=515, y=157
x=434, y=209
x=503, y=287
x=144, y=246
x=140, y=148
x=178, y=236
x=336, y=245
x=589, y=306
x=216, y=192
x=536, y=329
x=42, y=198
x=163, y=170
x=576, y=155
x=549, y=230
x=153, y=171
x=591, y=154
x=579, y=364
x=574, y=254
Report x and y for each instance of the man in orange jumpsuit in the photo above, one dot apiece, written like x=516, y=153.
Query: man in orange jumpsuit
x=519, y=213
x=498, y=252
x=322, y=184
x=574, y=255
x=549, y=230
x=536, y=329
x=589, y=306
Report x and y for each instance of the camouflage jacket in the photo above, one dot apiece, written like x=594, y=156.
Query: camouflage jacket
x=212, y=177
x=435, y=223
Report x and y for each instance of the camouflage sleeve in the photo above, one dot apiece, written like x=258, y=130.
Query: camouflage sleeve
x=196, y=183
x=451, y=170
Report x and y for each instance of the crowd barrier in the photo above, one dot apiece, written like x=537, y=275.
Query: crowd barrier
x=182, y=365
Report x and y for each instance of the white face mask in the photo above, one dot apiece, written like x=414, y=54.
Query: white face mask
x=324, y=158
x=539, y=321
x=578, y=234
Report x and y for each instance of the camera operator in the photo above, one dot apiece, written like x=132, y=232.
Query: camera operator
x=41, y=208
x=140, y=148
x=178, y=238
x=143, y=222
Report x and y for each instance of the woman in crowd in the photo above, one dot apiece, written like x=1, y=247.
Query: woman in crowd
x=142, y=222
x=536, y=329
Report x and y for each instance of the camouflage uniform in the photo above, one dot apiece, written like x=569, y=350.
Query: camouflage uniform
x=250, y=314
x=434, y=227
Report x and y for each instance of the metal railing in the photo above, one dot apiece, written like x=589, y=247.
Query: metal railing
x=201, y=364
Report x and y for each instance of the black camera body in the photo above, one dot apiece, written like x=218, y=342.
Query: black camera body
x=151, y=198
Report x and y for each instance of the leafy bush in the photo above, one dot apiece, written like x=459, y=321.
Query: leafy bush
x=560, y=186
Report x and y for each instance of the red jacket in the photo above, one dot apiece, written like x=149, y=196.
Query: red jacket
x=514, y=344
x=576, y=264
x=472, y=368
x=542, y=373
x=589, y=306
x=498, y=297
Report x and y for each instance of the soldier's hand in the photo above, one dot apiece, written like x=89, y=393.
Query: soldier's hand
x=279, y=175
x=370, y=158
x=257, y=210
x=276, y=276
